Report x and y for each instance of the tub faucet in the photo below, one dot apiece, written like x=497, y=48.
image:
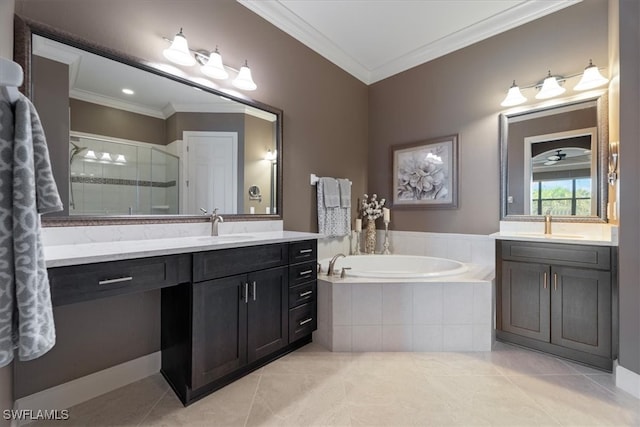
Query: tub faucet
x=215, y=220
x=547, y=222
x=332, y=264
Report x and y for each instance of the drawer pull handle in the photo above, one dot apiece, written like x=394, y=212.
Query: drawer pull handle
x=306, y=321
x=304, y=273
x=555, y=281
x=305, y=251
x=246, y=292
x=253, y=284
x=304, y=294
x=118, y=280
x=545, y=280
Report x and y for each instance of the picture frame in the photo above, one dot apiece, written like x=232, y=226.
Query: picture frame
x=425, y=174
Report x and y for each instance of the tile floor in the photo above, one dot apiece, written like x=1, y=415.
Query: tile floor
x=508, y=386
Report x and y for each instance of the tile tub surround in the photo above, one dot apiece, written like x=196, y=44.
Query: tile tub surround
x=444, y=314
x=468, y=248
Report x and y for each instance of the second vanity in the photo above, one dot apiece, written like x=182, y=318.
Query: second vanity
x=229, y=304
x=558, y=294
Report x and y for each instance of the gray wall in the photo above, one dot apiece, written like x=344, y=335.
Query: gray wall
x=100, y=120
x=629, y=21
x=6, y=51
x=92, y=336
x=51, y=98
x=461, y=93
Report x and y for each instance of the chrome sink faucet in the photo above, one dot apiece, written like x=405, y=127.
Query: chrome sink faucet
x=215, y=220
x=547, y=222
x=332, y=264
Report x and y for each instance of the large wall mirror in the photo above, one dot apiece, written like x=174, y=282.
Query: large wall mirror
x=130, y=143
x=553, y=160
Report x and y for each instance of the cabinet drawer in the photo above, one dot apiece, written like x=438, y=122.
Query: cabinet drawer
x=90, y=281
x=229, y=262
x=557, y=253
x=302, y=273
x=303, y=251
x=302, y=321
x=302, y=294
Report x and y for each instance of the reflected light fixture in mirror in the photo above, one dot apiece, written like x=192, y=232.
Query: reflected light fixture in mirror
x=211, y=62
x=551, y=86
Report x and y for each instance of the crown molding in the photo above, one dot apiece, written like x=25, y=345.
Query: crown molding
x=277, y=14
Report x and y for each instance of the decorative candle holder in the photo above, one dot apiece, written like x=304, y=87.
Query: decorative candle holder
x=386, y=239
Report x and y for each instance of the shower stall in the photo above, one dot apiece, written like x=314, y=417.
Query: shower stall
x=116, y=177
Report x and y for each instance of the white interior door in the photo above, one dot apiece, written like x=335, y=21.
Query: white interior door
x=212, y=171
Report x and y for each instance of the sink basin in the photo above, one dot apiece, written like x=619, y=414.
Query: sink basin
x=551, y=236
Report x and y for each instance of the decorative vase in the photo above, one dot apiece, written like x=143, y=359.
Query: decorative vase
x=370, y=237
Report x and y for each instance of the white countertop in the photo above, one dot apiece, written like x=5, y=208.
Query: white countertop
x=86, y=253
x=573, y=233
x=554, y=238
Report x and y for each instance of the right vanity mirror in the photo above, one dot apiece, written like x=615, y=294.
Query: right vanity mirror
x=553, y=160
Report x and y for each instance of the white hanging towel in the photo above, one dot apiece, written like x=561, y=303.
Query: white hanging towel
x=27, y=188
x=334, y=214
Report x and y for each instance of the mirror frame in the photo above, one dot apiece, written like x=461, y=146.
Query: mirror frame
x=602, y=107
x=25, y=28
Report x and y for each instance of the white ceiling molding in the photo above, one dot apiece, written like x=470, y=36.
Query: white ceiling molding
x=106, y=101
x=279, y=15
x=51, y=50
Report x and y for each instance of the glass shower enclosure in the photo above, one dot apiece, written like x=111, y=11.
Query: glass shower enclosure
x=113, y=177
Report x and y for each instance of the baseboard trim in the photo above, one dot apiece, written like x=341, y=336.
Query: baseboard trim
x=628, y=381
x=80, y=390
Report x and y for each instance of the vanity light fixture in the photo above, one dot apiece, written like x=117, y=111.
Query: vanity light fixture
x=91, y=155
x=591, y=78
x=550, y=87
x=211, y=62
x=179, y=51
x=106, y=157
x=514, y=96
x=121, y=159
x=213, y=67
x=244, y=80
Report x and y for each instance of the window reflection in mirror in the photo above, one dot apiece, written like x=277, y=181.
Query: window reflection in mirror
x=141, y=144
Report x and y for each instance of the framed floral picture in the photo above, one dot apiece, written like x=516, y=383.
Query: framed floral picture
x=425, y=173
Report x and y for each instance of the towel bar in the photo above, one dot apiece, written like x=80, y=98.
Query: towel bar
x=315, y=178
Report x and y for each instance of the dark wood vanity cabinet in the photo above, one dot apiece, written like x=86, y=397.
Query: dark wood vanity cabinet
x=237, y=315
x=558, y=298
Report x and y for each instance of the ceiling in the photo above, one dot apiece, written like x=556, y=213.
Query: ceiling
x=376, y=39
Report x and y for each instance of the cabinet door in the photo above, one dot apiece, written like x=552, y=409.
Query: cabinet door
x=219, y=328
x=268, y=309
x=581, y=309
x=525, y=299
